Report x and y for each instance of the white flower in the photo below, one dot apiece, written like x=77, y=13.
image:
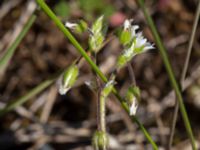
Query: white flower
x=133, y=107
x=134, y=43
x=140, y=41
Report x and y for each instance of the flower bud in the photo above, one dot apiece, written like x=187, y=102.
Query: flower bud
x=125, y=37
x=68, y=79
x=97, y=36
x=77, y=27
x=100, y=140
x=132, y=98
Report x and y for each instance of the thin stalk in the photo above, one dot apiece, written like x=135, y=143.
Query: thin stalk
x=102, y=114
x=183, y=74
x=4, y=61
x=23, y=99
x=98, y=103
x=170, y=72
x=66, y=32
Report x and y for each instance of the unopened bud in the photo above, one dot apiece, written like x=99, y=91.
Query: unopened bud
x=77, y=27
x=132, y=97
x=100, y=140
x=68, y=79
x=97, y=35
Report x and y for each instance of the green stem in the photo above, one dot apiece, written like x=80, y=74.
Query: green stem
x=11, y=49
x=66, y=32
x=102, y=114
x=24, y=98
x=183, y=75
x=170, y=73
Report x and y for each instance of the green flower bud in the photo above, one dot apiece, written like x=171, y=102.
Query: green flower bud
x=81, y=27
x=100, y=140
x=125, y=37
x=98, y=32
x=132, y=98
x=77, y=27
x=69, y=78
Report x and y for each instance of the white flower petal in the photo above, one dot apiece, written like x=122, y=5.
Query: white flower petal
x=148, y=47
x=133, y=30
x=133, y=107
x=63, y=90
x=127, y=24
x=70, y=25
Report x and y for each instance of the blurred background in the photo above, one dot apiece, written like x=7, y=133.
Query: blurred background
x=50, y=121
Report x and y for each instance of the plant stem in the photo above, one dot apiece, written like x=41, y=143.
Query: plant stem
x=66, y=32
x=102, y=114
x=21, y=100
x=183, y=75
x=4, y=61
x=170, y=72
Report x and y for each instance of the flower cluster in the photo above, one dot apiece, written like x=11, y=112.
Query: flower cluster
x=97, y=32
x=134, y=43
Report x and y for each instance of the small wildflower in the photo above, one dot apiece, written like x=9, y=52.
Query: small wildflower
x=133, y=42
x=132, y=97
x=141, y=44
x=128, y=32
x=68, y=79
